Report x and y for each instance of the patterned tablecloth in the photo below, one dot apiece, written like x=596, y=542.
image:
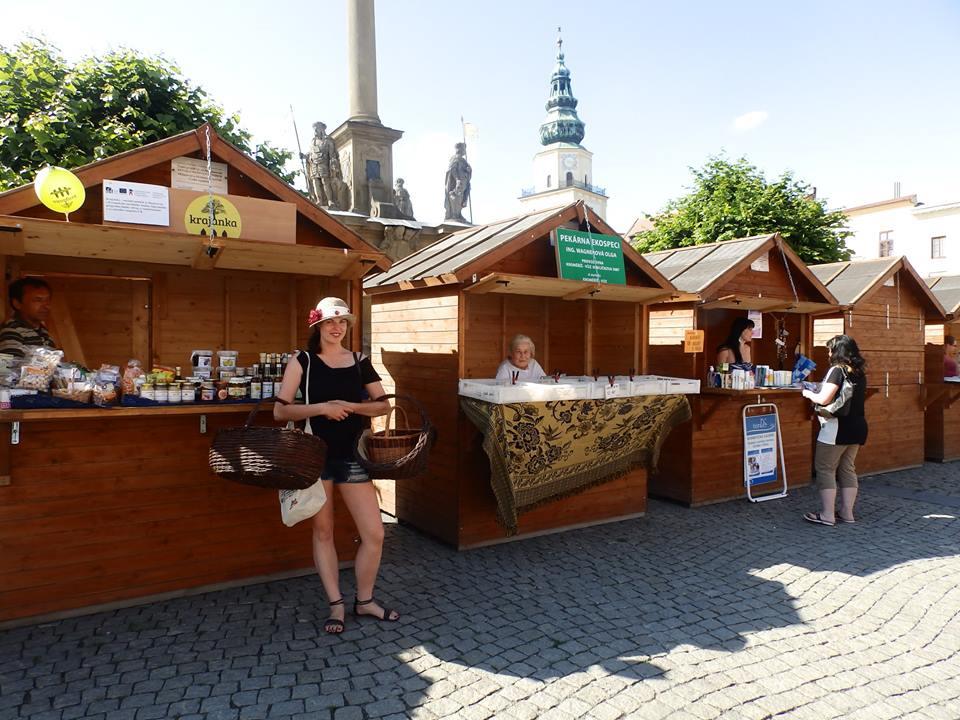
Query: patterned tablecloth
x=546, y=450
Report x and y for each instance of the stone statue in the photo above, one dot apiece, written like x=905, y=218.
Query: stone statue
x=401, y=198
x=323, y=168
x=457, y=185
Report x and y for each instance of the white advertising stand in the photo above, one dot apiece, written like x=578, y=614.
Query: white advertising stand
x=762, y=444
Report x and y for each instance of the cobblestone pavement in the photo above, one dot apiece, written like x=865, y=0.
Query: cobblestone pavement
x=732, y=610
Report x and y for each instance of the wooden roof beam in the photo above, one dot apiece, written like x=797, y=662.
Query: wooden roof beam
x=587, y=291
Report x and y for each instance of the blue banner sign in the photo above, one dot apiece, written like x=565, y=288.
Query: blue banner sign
x=760, y=449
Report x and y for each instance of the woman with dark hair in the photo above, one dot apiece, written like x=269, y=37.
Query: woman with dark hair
x=840, y=435
x=736, y=348
x=332, y=381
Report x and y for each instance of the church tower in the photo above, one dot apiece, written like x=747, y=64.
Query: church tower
x=563, y=170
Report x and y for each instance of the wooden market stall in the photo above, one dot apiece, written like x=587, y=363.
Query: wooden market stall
x=449, y=311
x=885, y=306
x=942, y=416
x=106, y=505
x=702, y=462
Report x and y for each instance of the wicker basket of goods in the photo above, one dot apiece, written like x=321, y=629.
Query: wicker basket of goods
x=400, y=452
x=269, y=457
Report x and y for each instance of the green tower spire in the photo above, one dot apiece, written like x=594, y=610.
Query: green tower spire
x=562, y=124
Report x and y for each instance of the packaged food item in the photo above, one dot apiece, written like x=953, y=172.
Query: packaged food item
x=227, y=358
x=162, y=374
x=208, y=391
x=105, y=383
x=79, y=391
x=161, y=392
x=147, y=391
x=104, y=394
x=130, y=374
x=238, y=388
x=38, y=368
x=201, y=358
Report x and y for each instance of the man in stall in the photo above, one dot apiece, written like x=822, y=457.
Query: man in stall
x=30, y=300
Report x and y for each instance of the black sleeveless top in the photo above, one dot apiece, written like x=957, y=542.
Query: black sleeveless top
x=326, y=384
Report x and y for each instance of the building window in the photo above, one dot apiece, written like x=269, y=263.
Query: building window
x=569, y=179
x=549, y=181
x=936, y=247
x=886, y=243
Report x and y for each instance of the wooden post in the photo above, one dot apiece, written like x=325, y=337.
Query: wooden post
x=226, y=313
x=294, y=312
x=140, y=320
x=545, y=355
x=588, y=338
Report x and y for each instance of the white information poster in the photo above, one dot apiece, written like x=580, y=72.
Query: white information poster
x=130, y=202
x=757, y=318
x=191, y=174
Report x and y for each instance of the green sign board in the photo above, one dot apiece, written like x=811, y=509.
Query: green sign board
x=590, y=257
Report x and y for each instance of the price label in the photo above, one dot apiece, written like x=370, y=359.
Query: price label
x=692, y=341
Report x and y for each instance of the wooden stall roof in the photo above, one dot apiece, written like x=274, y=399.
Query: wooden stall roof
x=118, y=166
x=701, y=271
x=854, y=281
x=457, y=258
x=946, y=288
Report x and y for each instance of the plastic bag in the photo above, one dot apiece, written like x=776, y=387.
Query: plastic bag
x=297, y=505
x=802, y=368
x=130, y=374
x=38, y=368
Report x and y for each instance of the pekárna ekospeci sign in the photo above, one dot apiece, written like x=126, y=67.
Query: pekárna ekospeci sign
x=589, y=256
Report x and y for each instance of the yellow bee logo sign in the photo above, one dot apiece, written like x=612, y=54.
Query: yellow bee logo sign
x=226, y=221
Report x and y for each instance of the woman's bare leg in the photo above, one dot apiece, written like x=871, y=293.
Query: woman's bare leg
x=361, y=501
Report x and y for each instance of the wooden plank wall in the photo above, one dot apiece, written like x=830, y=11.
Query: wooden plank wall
x=188, y=309
x=889, y=328
x=102, y=510
x=414, y=348
x=700, y=466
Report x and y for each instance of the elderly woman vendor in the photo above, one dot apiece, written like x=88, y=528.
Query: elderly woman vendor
x=520, y=361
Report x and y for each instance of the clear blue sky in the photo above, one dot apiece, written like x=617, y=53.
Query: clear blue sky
x=852, y=95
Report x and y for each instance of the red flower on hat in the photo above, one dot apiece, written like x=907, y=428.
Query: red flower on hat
x=315, y=317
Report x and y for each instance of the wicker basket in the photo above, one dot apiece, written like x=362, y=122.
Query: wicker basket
x=399, y=453
x=268, y=457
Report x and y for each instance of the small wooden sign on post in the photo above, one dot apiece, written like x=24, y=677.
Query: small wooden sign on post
x=693, y=341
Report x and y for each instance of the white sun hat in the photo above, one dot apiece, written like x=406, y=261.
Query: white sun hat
x=329, y=308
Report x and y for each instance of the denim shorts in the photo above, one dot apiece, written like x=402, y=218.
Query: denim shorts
x=344, y=471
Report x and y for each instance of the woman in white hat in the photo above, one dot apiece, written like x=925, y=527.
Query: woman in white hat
x=333, y=381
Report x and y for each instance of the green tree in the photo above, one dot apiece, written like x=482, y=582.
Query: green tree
x=733, y=199
x=55, y=113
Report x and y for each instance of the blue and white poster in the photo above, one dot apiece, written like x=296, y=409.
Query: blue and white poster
x=760, y=449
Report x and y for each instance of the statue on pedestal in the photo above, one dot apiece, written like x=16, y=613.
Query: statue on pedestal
x=323, y=169
x=401, y=198
x=457, y=185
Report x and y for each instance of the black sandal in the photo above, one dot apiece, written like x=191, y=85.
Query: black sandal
x=387, y=612
x=332, y=625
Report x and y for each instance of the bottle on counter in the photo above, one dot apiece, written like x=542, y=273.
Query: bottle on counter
x=256, y=384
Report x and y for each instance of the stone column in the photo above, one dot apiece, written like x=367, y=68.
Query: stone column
x=362, y=61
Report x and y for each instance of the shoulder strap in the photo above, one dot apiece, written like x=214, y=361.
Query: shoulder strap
x=307, y=426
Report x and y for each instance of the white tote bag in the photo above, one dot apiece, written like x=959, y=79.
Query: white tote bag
x=297, y=505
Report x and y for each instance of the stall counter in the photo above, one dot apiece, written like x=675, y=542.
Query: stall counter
x=702, y=461
x=116, y=505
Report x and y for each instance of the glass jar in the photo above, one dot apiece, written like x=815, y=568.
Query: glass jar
x=161, y=391
x=208, y=391
x=147, y=391
x=238, y=388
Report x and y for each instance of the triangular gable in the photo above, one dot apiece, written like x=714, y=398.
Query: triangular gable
x=18, y=200
x=946, y=288
x=472, y=251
